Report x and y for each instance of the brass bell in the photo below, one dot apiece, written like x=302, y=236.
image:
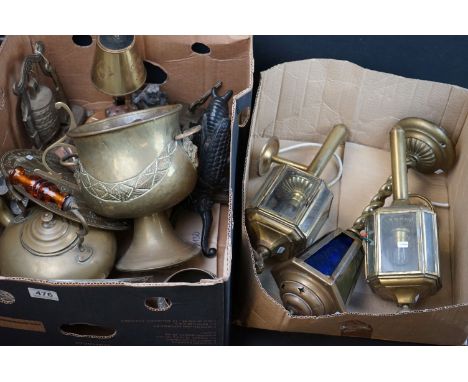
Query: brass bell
x=117, y=69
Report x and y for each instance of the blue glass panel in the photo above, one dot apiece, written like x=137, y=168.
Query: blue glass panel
x=327, y=258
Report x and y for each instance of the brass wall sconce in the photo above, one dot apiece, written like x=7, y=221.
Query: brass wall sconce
x=292, y=205
x=402, y=254
x=321, y=279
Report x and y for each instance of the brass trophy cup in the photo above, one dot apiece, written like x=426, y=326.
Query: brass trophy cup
x=135, y=165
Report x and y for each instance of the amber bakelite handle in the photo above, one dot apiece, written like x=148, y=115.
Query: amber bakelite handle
x=41, y=188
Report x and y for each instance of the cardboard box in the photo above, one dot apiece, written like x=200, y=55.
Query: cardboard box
x=301, y=101
x=104, y=312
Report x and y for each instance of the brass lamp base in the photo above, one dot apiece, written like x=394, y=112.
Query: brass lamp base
x=405, y=290
x=155, y=246
x=428, y=147
x=304, y=295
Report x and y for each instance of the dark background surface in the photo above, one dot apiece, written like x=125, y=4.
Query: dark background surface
x=432, y=58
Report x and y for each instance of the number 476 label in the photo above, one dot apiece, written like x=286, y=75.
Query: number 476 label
x=44, y=294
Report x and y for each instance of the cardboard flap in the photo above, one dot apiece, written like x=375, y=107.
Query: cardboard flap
x=301, y=100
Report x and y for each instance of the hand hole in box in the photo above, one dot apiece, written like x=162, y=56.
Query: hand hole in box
x=244, y=117
x=82, y=40
x=6, y=297
x=355, y=328
x=84, y=330
x=158, y=304
x=154, y=73
x=200, y=48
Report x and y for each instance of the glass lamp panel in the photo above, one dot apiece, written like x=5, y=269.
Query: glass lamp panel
x=346, y=280
x=430, y=241
x=399, y=249
x=316, y=208
x=327, y=258
x=290, y=194
x=370, y=246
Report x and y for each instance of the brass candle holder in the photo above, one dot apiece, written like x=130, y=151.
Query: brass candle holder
x=118, y=70
x=292, y=205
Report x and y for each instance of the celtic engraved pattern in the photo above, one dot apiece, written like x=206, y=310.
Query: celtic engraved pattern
x=132, y=188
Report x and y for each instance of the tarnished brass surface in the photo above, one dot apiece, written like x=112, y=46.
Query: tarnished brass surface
x=6, y=217
x=402, y=255
x=270, y=150
x=47, y=246
x=399, y=169
x=335, y=138
x=269, y=154
x=285, y=236
x=306, y=291
x=154, y=246
x=31, y=160
x=132, y=166
x=117, y=68
x=405, y=287
x=428, y=146
x=293, y=203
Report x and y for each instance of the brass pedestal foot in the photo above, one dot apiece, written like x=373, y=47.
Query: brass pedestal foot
x=155, y=246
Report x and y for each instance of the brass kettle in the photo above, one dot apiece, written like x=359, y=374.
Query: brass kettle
x=43, y=245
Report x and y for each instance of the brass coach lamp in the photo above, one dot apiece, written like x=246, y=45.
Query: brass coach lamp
x=402, y=254
x=293, y=203
x=320, y=280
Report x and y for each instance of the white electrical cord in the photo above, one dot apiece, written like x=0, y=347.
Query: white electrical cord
x=441, y=205
x=338, y=160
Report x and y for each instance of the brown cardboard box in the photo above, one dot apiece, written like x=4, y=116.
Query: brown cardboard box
x=104, y=312
x=301, y=101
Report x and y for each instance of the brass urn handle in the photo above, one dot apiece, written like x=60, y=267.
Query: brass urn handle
x=61, y=143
